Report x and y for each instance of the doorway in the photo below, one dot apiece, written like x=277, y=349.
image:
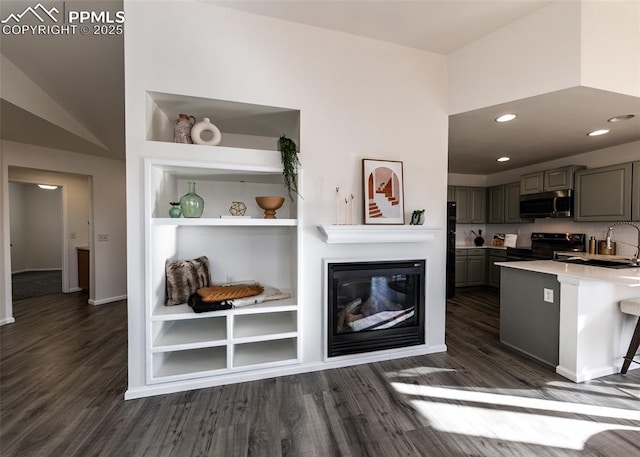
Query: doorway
x=47, y=226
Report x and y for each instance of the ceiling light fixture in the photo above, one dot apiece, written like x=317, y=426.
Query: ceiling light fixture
x=503, y=159
x=598, y=132
x=506, y=117
x=47, y=187
x=624, y=117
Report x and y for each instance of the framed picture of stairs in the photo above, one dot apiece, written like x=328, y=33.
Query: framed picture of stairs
x=383, y=191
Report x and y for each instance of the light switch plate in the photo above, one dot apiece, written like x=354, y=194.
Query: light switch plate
x=548, y=295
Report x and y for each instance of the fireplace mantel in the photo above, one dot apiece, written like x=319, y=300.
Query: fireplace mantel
x=377, y=233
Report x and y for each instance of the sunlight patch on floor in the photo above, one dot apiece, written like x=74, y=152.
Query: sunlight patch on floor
x=513, y=426
x=586, y=388
x=621, y=385
x=418, y=371
x=515, y=401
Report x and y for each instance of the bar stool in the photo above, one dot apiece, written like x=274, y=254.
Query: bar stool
x=631, y=306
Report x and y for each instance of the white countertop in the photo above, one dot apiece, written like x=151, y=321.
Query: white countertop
x=623, y=276
x=473, y=246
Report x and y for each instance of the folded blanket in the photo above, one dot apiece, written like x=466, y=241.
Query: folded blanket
x=199, y=306
x=270, y=293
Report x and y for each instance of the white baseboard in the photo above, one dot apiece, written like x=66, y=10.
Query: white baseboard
x=8, y=320
x=104, y=301
x=233, y=378
x=72, y=289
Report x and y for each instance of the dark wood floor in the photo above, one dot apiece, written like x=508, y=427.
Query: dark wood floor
x=63, y=376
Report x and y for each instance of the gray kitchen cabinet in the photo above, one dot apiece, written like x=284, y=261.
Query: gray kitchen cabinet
x=532, y=183
x=604, y=194
x=548, y=180
x=470, y=267
x=461, y=267
x=560, y=178
x=496, y=205
x=504, y=203
x=512, y=203
x=471, y=205
x=635, y=192
x=493, y=270
x=476, y=267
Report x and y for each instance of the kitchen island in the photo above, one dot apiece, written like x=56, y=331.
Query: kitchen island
x=593, y=334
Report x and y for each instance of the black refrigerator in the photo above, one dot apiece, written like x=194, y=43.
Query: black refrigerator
x=451, y=249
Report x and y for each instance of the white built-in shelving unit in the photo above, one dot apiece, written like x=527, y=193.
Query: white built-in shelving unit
x=182, y=345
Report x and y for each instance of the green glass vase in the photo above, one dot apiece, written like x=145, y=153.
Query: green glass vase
x=175, y=211
x=191, y=203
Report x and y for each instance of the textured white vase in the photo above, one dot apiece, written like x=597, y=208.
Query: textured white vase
x=205, y=125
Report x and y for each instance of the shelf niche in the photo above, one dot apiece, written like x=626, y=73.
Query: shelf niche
x=243, y=125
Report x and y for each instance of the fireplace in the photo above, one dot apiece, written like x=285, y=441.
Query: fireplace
x=374, y=306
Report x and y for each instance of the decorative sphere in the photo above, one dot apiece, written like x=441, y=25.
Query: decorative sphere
x=238, y=209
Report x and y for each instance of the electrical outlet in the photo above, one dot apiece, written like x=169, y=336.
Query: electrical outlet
x=73, y=235
x=548, y=295
x=103, y=237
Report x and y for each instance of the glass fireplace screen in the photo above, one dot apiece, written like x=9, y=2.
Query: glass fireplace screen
x=375, y=302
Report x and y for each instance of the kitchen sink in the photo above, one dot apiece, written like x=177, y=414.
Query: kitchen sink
x=599, y=263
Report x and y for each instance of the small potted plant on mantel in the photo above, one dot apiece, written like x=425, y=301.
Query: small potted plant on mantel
x=289, y=155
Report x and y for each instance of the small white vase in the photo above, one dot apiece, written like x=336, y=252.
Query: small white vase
x=205, y=125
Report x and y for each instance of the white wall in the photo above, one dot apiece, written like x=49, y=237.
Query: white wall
x=108, y=202
x=36, y=228
x=566, y=44
x=358, y=98
x=6, y=315
x=611, y=46
x=536, y=54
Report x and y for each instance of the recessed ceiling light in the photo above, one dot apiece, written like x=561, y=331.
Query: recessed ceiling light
x=506, y=117
x=624, y=117
x=598, y=132
x=47, y=187
x=503, y=159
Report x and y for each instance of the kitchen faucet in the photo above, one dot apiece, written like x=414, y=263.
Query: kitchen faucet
x=610, y=232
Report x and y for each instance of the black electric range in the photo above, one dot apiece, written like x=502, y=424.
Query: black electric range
x=545, y=245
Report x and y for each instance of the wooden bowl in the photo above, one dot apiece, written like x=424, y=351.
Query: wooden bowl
x=270, y=204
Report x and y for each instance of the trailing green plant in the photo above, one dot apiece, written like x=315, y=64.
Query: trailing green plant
x=289, y=155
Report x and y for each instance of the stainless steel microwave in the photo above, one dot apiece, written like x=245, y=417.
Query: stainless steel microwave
x=558, y=203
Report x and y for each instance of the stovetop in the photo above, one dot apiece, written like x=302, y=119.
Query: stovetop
x=545, y=245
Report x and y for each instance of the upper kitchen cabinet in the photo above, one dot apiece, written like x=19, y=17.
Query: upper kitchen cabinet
x=496, y=205
x=471, y=205
x=512, y=203
x=532, y=183
x=504, y=204
x=548, y=180
x=604, y=194
x=635, y=192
